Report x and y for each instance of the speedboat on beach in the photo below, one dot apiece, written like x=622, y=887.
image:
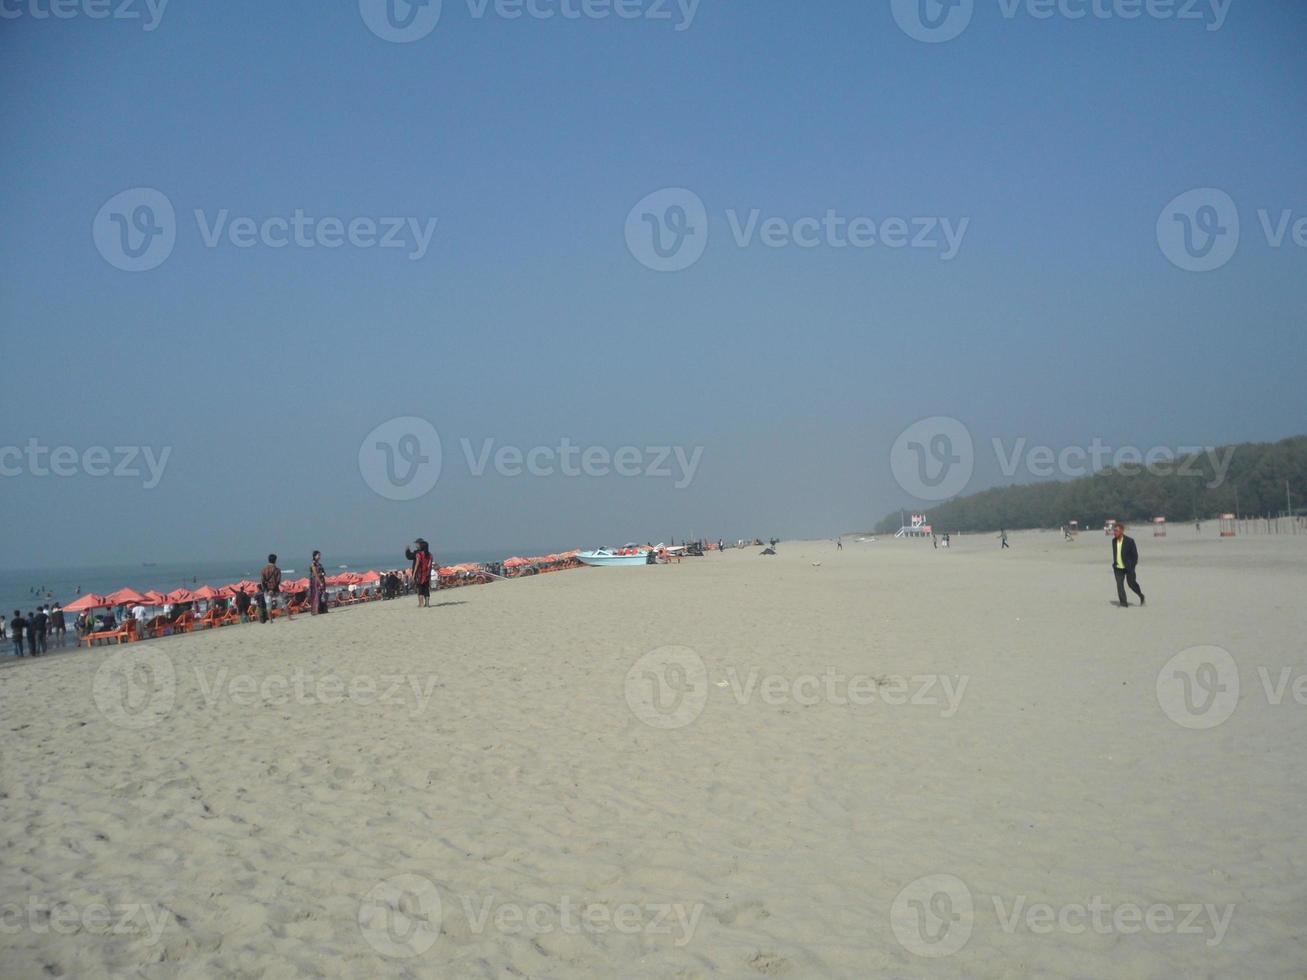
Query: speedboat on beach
x=614, y=556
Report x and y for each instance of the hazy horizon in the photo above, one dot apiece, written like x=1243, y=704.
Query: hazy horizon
x=596, y=278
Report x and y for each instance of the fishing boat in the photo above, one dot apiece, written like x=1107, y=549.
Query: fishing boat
x=629, y=555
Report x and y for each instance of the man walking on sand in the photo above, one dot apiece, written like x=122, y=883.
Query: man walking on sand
x=1002, y=534
x=270, y=581
x=1125, y=556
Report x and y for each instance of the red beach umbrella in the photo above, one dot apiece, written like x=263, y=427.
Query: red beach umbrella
x=125, y=597
x=155, y=598
x=181, y=595
x=89, y=601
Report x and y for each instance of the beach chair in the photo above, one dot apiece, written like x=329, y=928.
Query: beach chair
x=185, y=623
x=123, y=634
x=210, y=620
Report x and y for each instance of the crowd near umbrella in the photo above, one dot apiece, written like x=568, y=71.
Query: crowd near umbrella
x=450, y=575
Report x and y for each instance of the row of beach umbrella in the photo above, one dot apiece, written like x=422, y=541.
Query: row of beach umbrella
x=130, y=597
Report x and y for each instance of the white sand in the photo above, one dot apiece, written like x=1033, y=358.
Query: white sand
x=246, y=834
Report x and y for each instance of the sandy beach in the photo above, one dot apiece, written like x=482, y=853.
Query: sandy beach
x=898, y=762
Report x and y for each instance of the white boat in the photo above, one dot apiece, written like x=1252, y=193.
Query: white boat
x=613, y=556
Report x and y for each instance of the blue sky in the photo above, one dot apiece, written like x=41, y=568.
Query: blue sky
x=528, y=320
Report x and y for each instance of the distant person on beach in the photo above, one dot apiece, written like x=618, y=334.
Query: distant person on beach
x=243, y=605
x=139, y=615
x=41, y=625
x=17, y=626
x=839, y=544
x=58, y=625
x=270, y=584
x=317, y=585
x=31, y=633
x=934, y=542
x=1002, y=533
x=420, y=556
x=1125, y=556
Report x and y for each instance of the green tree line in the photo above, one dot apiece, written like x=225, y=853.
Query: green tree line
x=1182, y=489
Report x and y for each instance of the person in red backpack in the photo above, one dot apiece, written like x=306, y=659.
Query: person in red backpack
x=420, y=556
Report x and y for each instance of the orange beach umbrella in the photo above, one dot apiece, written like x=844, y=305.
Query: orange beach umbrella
x=91, y=600
x=125, y=597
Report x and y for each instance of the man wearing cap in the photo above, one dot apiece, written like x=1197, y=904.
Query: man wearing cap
x=1125, y=556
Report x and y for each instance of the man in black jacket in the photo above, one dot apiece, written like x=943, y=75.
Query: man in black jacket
x=1125, y=556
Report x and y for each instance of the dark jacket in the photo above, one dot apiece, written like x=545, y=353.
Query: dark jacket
x=1129, y=553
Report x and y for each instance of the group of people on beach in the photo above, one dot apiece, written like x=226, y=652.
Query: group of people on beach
x=36, y=629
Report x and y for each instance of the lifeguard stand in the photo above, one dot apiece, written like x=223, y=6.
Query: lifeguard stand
x=917, y=529
x=1159, y=527
x=1227, y=525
